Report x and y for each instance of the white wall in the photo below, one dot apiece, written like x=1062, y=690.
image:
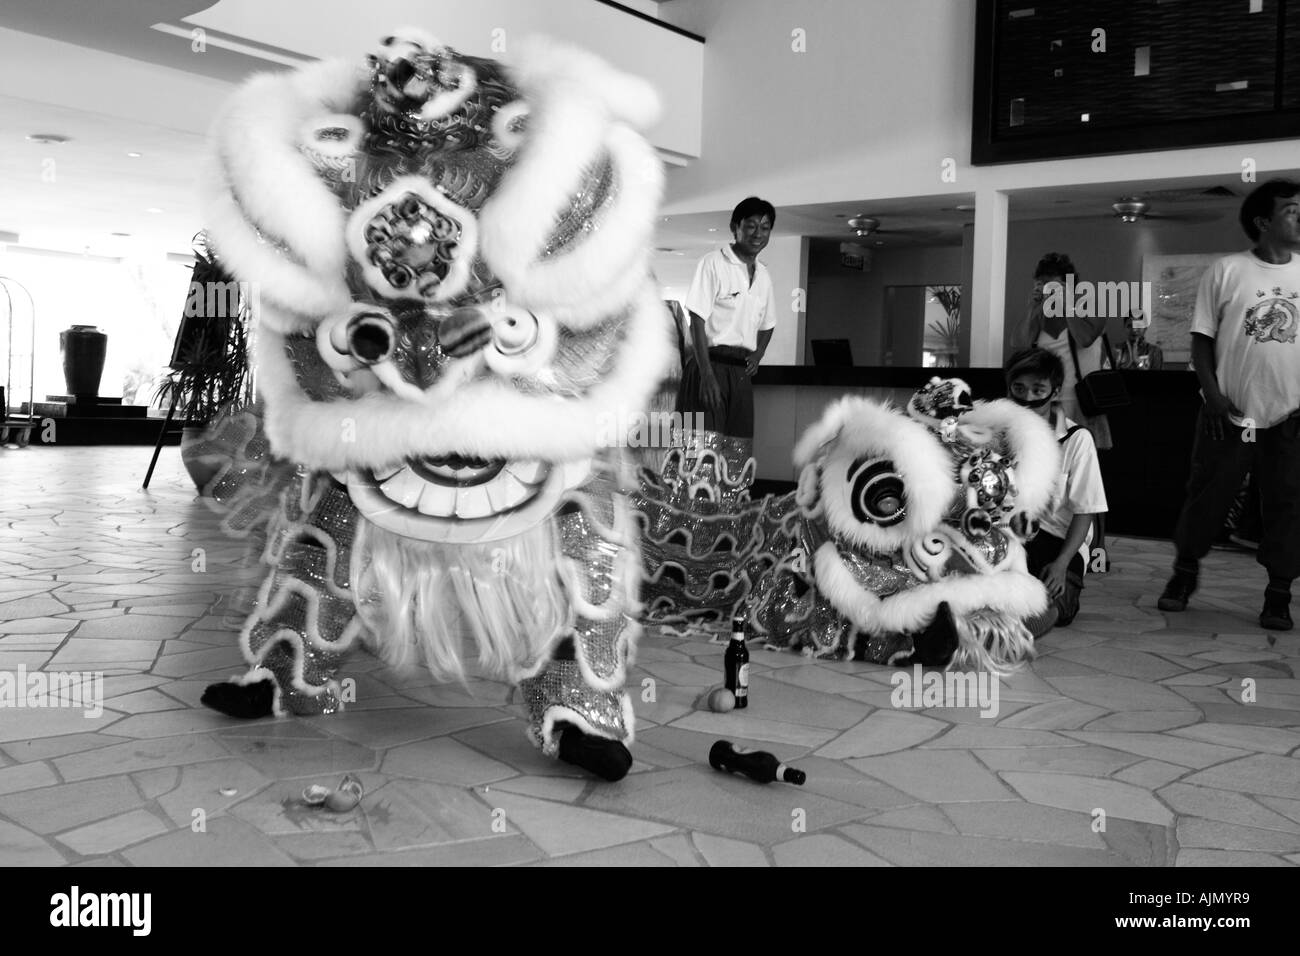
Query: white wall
x=881, y=97
x=786, y=259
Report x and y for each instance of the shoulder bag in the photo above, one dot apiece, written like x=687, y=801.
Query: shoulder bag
x=1101, y=391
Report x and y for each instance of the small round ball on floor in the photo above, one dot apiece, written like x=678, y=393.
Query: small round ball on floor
x=722, y=700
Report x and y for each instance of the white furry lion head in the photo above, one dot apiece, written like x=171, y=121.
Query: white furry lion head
x=941, y=492
x=928, y=496
x=449, y=261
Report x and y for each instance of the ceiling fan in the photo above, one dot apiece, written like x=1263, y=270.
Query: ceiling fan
x=867, y=227
x=1131, y=209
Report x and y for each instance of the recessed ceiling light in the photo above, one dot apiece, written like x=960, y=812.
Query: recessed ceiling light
x=48, y=139
x=153, y=209
x=714, y=229
x=135, y=155
x=965, y=208
x=880, y=242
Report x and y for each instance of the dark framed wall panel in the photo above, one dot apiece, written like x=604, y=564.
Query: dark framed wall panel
x=1172, y=74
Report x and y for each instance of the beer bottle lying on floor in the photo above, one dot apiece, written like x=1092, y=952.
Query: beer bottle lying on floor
x=755, y=764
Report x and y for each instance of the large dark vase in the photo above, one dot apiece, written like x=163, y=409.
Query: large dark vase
x=83, y=348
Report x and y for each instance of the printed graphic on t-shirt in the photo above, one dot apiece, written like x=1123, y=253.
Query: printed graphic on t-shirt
x=1274, y=318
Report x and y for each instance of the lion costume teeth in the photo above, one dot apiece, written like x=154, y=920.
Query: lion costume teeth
x=450, y=260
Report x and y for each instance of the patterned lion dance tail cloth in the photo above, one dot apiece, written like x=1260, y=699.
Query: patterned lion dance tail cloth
x=705, y=543
x=902, y=543
x=456, y=325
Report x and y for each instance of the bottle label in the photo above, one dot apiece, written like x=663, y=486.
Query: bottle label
x=742, y=681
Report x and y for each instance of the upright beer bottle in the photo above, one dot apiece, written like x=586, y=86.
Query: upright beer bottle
x=737, y=663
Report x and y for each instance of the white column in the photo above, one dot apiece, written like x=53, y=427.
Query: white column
x=787, y=260
x=989, y=282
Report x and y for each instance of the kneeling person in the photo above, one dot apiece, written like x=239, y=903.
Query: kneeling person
x=1058, y=553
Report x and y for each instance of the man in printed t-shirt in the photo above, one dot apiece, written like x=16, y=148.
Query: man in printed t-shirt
x=1247, y=357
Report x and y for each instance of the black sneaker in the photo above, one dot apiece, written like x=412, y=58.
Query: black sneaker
x=1177, y=591
x=1276, y=615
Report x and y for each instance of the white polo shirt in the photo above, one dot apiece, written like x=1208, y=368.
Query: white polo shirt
x=1079, y=489
x=733, y=310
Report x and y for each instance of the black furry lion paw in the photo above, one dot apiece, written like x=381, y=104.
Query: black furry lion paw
x=245, y=701
x=603, y=757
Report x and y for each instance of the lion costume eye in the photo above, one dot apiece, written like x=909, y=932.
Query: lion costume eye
x=523, y=342
x=363, y=336
x=370, y=337
x=877, y=494
x=515, y=332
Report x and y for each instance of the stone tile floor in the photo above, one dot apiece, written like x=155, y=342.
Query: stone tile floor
x=1127, y=743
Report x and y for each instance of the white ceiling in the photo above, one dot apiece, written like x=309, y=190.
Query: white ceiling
x=99, y=190
x=75, y=195
x=96, y=188
x=92, y=47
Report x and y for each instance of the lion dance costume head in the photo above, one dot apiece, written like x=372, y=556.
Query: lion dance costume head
x=449, y=258
x=901, y=544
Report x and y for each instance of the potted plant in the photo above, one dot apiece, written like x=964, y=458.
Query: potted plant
x=209, y=365
x=949, y=330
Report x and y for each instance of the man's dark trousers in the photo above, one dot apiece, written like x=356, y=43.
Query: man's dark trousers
x=736, y=415
x=1218, y=468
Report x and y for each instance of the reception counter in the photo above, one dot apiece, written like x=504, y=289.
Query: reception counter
x=1144, y=473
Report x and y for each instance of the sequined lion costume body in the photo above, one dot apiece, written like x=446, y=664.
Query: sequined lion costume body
x=901, y=544
x=449, y=259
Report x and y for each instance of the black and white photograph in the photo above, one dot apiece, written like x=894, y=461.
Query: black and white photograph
x=697, y=433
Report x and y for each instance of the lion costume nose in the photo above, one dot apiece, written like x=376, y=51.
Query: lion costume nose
x=399, y=73
x=465, y=331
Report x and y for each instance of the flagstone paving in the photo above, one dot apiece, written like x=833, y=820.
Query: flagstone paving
x=1136, y=738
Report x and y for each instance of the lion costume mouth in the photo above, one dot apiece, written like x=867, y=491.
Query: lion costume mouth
x=460, y=499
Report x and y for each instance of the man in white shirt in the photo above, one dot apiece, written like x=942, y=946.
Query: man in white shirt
x=1247, y=357
x=733, y=313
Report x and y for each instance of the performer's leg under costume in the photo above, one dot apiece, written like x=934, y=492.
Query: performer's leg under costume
x=582, y=684
x=306, y=620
